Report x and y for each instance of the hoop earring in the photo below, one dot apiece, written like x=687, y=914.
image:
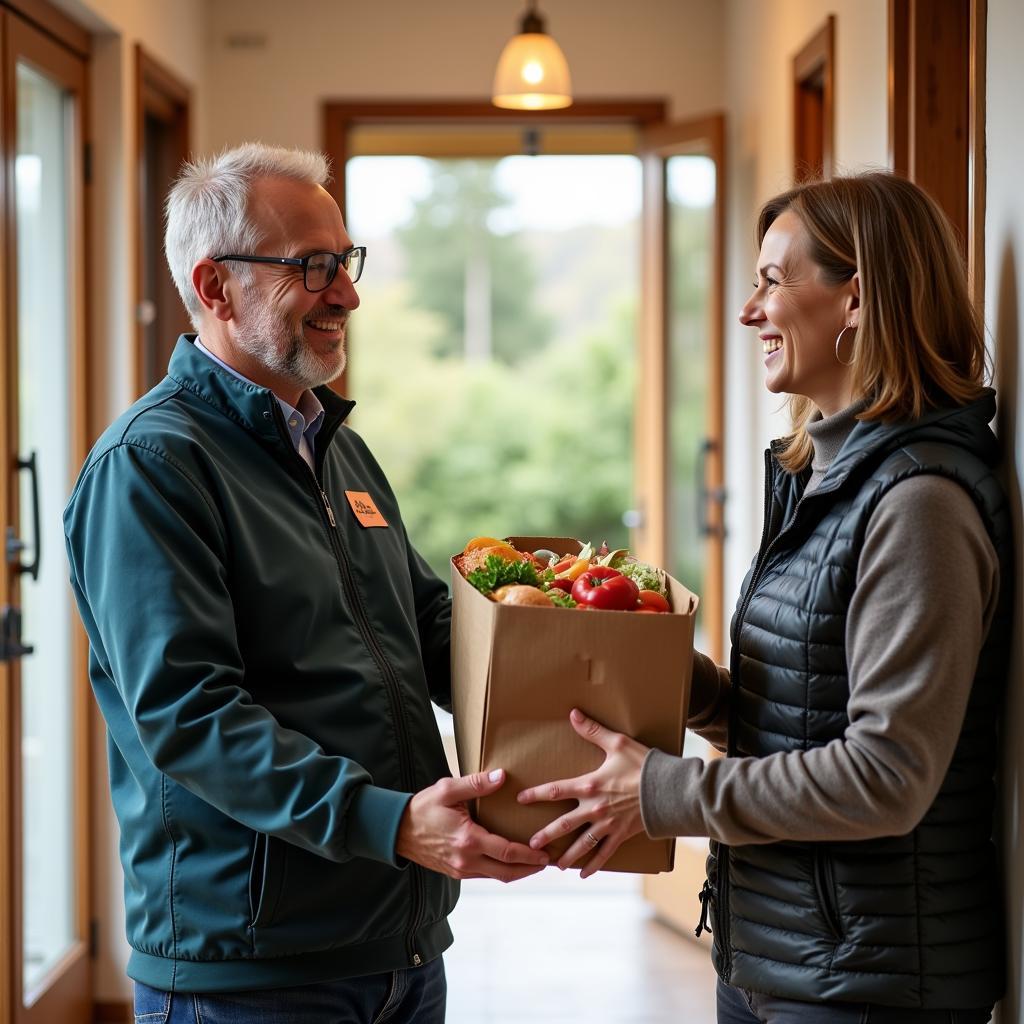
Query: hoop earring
x=848, y=327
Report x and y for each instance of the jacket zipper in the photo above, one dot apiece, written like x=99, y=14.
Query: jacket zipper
x=405, y=758
x=823, y=879
x=705, y=898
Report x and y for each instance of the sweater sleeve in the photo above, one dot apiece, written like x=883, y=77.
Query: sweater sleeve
x=708, y=715
x=927, y=583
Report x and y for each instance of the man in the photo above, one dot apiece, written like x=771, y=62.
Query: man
x=265, y=642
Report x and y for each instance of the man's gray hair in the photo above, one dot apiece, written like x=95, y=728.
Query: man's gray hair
x=207, y=208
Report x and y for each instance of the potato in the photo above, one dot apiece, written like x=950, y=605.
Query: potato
x=518, y=593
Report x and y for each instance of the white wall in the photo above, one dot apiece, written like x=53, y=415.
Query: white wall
x=762, y=40
x=1004, y=316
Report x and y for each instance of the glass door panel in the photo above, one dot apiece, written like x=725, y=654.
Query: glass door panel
x=44, y=302
x=43, y=444
x=690, y=194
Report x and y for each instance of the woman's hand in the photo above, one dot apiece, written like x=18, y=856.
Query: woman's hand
x=608, y=799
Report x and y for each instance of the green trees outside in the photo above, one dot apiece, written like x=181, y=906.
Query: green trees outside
x=480, y=283
x=492, y=412
x=541, y=448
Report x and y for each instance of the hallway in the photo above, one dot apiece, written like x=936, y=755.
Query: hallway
x=555, y=950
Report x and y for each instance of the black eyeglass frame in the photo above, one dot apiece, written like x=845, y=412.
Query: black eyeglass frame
x=296, y=261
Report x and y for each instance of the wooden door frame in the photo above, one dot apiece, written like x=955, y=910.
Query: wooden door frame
x=339, y=117
x=816, y=57
x=43, y=35
x=705, y=135
x=158, y=93
x=937, y=109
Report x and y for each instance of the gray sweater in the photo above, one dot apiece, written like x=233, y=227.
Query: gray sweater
x=927, y=583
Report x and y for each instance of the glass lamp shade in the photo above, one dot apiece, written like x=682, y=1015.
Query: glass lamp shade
x=532, y=74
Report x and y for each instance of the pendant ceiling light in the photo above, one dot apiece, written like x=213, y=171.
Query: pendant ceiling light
x=532, y=73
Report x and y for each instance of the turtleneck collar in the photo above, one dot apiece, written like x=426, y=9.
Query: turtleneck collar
x=828, y=434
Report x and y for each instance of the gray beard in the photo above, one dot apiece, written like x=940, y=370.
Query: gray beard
x=265, y=336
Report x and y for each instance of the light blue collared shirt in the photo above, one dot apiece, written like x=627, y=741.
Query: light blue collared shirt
x=303, y=423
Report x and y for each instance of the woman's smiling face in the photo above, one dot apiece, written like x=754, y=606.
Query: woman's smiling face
x=798, y=315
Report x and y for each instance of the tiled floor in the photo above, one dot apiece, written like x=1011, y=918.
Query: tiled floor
x=555, y=950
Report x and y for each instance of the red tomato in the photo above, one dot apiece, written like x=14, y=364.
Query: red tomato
x=565, y=585
x=605, y=588
x=652, y=601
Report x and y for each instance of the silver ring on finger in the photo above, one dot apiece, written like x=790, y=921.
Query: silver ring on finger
x=592, y=839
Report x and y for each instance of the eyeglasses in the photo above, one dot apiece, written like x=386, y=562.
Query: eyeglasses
x=319, y=269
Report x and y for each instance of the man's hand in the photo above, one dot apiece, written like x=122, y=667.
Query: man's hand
x=437, y=832
x=608, y=799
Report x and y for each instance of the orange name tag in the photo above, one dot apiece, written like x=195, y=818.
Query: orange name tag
x=364, y=508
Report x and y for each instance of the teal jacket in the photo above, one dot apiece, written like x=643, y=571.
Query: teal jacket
x=265, y=665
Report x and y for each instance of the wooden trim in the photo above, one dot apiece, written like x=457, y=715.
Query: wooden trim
x=11, y=511
x=641, y=111
x=9, y=752
x=65, y=993
x=339, y=116
x=158, y=79
x=54, y=23
x=976, y=171
x=675, y=137
x=899, y=86
x=159, y=93
x=112, y=1013
x=937, y=107
x=815, y=60
x=705, y=135
x=714, y=586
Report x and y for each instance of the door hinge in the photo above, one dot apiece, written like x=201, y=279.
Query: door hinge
x=87, y=162
x=94, y=938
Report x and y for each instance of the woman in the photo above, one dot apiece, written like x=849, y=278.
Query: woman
x=852, y=875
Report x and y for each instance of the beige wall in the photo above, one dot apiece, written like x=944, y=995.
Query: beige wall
x=407, y=49
x=1004, y=316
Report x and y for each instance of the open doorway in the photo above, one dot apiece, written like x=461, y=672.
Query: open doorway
x=494, y=355
x=538, y=351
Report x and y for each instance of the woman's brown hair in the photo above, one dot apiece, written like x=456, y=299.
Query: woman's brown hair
x=920, y=342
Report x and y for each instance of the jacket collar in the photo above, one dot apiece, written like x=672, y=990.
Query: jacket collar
x=249, y=405
x=964, y=426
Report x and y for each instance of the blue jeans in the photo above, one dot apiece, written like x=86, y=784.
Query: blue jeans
x=416, y=994
x=741, y=1006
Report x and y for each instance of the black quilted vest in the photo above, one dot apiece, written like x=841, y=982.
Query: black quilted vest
x=912, y=920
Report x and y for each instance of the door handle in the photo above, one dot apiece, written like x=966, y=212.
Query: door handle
x=11, y=646
x=15, y=545
x=707, y=494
